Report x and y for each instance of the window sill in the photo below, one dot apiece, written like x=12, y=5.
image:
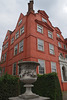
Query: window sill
x=41, y=51
x=64, y=81
x=40, y=33
x=50, y=38
x=52, y=54
x=18, y=53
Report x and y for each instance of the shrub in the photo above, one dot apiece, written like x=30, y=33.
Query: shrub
x=9, y=87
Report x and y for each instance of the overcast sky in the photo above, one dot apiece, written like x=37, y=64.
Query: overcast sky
x=10, y=11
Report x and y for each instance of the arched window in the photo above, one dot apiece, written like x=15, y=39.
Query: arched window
x=64, y=73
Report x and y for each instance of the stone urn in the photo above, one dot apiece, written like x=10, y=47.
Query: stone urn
x=28, y=76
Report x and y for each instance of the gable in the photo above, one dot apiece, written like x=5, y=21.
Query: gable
x=20, y=20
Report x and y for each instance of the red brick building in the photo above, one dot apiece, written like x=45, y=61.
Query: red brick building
x=35, y=39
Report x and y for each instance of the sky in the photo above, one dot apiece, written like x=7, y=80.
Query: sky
x=10, y=11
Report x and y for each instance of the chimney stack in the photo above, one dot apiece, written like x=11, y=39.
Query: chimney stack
x=30, y=6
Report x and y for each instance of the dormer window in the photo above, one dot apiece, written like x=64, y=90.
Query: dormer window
x=20, y=22
x=44, y=20
x=58, y=35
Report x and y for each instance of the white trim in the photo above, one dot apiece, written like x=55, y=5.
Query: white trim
x=50, y=33
x=40, y=27
x=55, y=66
x=63, y=62
x=43, y=44
x=44, y=67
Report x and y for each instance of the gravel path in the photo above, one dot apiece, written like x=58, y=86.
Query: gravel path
x=65, y=95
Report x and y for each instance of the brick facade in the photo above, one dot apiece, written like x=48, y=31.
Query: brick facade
x=35, y=39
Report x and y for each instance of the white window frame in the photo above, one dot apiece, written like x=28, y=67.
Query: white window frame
x=39, y=28
x=50, y=34
x=19, y=67
x=44, y=20
x=20, y=22
x=7, y=45
x=58, y=35
x=6, y=37
x=39, y=60
x=59, y=45
x=21, y=30
x=40, y=45
x=53, y=67
x=64, y=46
x=17, y=35
x=51, y=50
x=12, y=40
x=21, y=46
x=16, y=46
x=4, y=47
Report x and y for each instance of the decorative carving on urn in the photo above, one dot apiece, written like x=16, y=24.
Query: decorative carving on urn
x=28, y=74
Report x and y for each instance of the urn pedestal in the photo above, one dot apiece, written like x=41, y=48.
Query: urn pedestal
x=28, y=76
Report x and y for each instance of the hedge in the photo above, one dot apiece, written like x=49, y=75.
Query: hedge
x=47, y=85
x=9, y=87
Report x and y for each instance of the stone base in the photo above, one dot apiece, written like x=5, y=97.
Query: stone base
x=30, y=96
x=39, y=98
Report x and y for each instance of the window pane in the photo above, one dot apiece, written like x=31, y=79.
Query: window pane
x=12, y=40
x=17, y=35
x=20, y=22
x=51, y=47
x=58, y=35
x=40, y=45
x=53, y=66
x=21, y=46
x=50, y=34
x=39, y=28
x=59, y=44
x=42, y=66
x=65, y=47
x=19, y=69
x=44, y=20
x=5, y=56
x=22, y=30
x=6, y=44
x=14, y=69
x=15, y=49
